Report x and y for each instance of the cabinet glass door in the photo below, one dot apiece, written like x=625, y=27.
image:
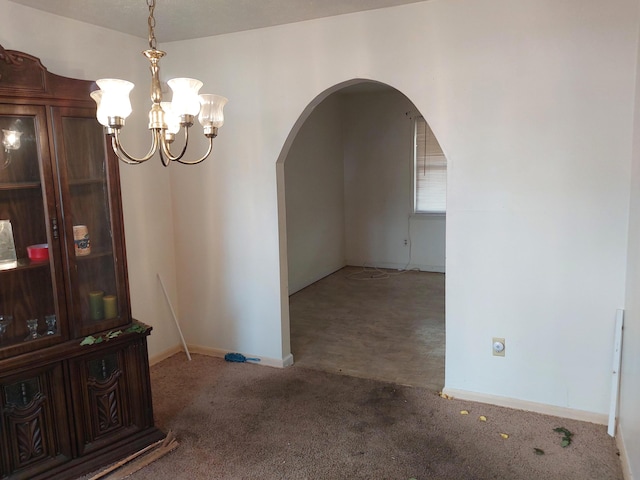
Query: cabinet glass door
x=97, y=287
x=32, y=310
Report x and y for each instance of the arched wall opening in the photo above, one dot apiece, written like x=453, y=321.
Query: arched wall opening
x=349, y=203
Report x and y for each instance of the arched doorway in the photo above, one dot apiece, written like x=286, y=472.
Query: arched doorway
x=349, y=204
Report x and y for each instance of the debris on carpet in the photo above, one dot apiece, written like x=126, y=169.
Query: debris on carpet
x=138, y=460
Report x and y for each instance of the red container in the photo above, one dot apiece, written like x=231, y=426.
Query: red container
x=39, y=252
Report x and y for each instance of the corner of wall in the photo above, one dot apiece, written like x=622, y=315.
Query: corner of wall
x=624, y=455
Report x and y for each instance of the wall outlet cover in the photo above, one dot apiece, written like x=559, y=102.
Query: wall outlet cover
x=498, y=346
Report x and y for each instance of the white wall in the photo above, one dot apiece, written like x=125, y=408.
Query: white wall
x=314, y=179
x=629, y=415
x=75, y=49
x=532, y=104
x=369, y=136
x=428, y=242
x=378, y=159
x=539, y=143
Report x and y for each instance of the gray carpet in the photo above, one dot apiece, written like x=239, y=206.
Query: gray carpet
x=242, y=421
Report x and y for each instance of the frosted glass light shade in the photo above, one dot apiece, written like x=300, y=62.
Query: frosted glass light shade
x=11, y=139
x=115, y=98
x=97, y=97
x=185, y=96
x=172, y=120
x=211, y=107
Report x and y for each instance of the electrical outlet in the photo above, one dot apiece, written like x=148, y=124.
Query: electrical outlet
x=498, y=346
x=405, y=242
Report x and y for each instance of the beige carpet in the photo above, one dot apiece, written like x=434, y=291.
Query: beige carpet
x=242, y=421
x=378, y=324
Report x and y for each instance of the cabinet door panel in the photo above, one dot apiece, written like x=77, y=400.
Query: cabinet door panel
x=34, y=423
x=30, y=291
x=97, y=283
x=108, y=394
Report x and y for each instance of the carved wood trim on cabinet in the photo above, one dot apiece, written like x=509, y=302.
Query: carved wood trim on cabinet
x=33, y=421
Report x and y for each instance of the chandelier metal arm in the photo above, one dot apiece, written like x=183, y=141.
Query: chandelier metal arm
x=201, y=159
x=166, y=149
x=167, y=157
x=163, y=159
x=116, y=150
x=125, y=157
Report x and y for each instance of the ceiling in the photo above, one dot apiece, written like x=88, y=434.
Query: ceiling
x=186, y=19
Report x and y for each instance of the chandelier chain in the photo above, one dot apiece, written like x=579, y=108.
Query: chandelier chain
x=152, y=24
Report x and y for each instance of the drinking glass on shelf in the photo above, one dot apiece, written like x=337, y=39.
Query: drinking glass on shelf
x=5, y=320
x=32, y=325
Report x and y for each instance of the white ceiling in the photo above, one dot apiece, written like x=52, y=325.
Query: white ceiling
x=185, y=19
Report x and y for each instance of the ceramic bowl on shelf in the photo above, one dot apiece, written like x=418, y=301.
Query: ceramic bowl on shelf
x=39, y=252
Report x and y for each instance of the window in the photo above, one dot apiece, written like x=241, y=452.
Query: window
x=430, y=171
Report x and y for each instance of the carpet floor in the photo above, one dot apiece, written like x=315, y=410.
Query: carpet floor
x=372, y=323
x=243, y=421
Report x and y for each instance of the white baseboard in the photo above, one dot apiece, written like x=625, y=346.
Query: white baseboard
x=287, y=361
x=266, y=361
x=624, y=454
x=398, y=266
x=164, y=355
x=315, y=278
x=564, y=412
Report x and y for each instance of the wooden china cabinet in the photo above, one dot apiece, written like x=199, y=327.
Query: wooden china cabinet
x=74, y=372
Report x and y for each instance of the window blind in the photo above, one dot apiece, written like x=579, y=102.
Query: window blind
x=430, y=171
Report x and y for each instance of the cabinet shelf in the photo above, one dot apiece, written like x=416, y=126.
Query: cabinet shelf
x=25, y=264
x=93, y=255
x=20, y=186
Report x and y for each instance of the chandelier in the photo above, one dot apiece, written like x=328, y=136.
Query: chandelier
x=165, y=118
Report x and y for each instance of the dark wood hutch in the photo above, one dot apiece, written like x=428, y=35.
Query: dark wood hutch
x=74, y=372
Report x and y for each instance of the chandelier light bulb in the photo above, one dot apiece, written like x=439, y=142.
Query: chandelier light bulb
x=97, y=97
x=115, y=98
x=211, y=106
x=170, y=118
x=185, y=96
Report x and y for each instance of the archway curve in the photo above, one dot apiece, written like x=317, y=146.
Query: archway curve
x=281, y=203
x=313, y=104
